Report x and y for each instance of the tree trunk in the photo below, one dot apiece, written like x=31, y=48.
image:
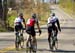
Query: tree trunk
x=1, y=10
x=5, y=10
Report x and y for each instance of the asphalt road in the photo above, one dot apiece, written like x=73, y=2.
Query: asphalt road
x=66, y=38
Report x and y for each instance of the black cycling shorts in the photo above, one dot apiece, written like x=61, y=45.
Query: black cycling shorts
x=30, y=30
x=50, y=28
x=18, y=27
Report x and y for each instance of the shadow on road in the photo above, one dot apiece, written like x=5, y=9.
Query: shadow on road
x=64, y=51
x=43, y=50
x=56, y=51
x=61, y=27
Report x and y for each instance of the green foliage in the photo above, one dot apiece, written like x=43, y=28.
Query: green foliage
x=2, y=29
x=11, y=20
x=11, y=17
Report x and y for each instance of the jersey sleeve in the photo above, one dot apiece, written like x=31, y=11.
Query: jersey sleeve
x=48, y=21
x=58, y=24
x=23, y=20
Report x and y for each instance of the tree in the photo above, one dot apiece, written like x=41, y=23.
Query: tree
x=1, y=9
x=5, y=10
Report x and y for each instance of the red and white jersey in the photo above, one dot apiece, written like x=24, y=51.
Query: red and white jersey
x=31, y=22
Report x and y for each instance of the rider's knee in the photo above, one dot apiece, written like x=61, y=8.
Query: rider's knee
x=49, y=37
x=21, y=34
x=16, y=33
x=34, y=39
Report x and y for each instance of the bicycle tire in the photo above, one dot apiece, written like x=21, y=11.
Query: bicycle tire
x=56, y=45
x=31, y=47
x=21, y=41
x=50, y=43
x=17, y=43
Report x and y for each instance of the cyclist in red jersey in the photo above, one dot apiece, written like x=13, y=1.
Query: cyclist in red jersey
x=31, y=30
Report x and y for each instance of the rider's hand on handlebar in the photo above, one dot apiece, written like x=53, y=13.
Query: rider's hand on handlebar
x=39, y=32
x=60, y=30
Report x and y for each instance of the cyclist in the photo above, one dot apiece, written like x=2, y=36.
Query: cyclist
x=18, y=26
x=52, y=21
x=30, y=29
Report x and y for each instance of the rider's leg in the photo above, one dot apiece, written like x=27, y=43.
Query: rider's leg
x=21, y=38
x=17, y=36
x=34, y=40
x=27, y=41
x=49, y=35
x=56, y=33
x=34, y=44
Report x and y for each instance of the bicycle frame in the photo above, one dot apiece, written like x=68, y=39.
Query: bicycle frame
x=53, y=41
x=19, y=40
x=30, y=46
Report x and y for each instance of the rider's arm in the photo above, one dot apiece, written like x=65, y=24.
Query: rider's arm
x=38, y=25
x=24, y=22
x=58, y=25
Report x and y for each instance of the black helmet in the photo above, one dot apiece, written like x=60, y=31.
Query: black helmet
x=21, y=14
x=53, y=14
x=34, y=15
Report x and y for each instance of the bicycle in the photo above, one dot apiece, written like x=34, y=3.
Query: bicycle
x=19, y=42
x=53, y=41
x=31, y=47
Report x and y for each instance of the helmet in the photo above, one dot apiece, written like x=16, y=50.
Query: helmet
x=53, y=14
x=34, y=15
x=21, y=14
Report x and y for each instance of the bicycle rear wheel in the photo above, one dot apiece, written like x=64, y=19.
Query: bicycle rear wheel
x=21, y=41
x=17, y=43
x=56, y=44
x=33, y=47
x=50, y=43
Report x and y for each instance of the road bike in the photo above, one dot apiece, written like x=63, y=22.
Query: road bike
x=53, y=41
x=31, y=47
x=19, y=42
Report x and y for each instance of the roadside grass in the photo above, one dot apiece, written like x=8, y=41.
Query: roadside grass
x=44, y=18
x=2, y=29
x=68, y=6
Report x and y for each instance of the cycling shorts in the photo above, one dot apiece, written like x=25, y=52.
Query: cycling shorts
x=18, y=28
x=50, y=28
x=30, y=30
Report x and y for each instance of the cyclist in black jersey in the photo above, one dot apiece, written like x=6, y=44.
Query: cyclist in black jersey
x=52, y=21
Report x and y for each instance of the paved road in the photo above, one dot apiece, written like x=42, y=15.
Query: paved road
x=66, y=37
